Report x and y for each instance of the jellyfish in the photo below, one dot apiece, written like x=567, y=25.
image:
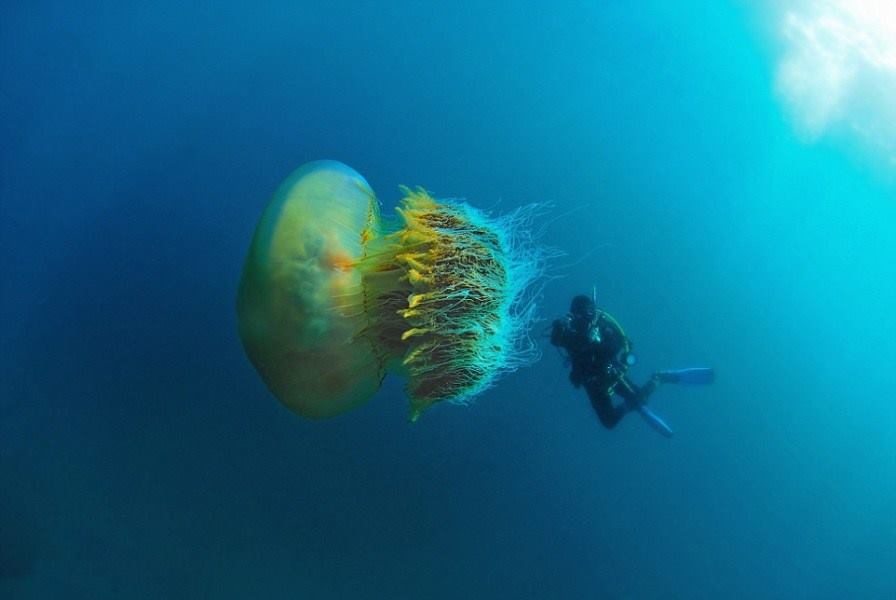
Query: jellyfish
x=333, y=296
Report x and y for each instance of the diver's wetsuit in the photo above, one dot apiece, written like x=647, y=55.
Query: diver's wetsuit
x=597, y=350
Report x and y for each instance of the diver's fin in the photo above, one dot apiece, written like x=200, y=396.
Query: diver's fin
x=655, y=421
x=691, y=376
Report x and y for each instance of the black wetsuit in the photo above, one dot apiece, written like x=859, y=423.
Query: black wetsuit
x=597, y=353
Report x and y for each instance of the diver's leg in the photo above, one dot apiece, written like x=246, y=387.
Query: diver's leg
x=648, y=388
x=602, y=403
x=633, y=394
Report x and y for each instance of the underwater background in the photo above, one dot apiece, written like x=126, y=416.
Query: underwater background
x=141, y=456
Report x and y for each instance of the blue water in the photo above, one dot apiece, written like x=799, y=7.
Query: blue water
x=141, y=455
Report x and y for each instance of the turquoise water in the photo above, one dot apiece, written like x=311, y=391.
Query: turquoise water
x=142, y=457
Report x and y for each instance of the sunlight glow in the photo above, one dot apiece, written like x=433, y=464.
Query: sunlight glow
x=839, y=69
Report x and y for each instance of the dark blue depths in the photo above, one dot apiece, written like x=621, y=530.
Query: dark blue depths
x=142, y=457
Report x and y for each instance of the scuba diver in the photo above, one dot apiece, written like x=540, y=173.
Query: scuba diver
x=600, y=354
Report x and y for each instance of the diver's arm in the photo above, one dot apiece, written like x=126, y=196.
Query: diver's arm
x=560, y=332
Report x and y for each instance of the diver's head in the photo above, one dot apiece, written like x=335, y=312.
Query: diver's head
x=582, y=310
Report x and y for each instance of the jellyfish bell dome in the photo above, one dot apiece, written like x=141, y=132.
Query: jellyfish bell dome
x=300, y=301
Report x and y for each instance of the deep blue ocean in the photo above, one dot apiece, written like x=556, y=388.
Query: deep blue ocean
x=141, y=455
